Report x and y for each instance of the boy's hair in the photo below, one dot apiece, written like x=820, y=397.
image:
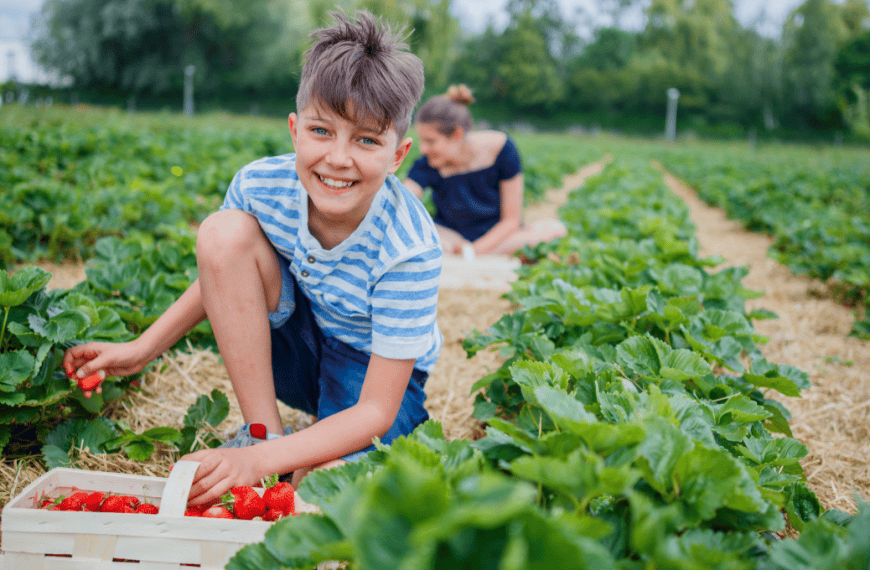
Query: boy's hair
x=361, y=71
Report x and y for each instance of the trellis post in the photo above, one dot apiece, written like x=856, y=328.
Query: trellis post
x=671, y=118
x=189, y=72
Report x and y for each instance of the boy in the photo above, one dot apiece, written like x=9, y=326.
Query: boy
x=319, y=274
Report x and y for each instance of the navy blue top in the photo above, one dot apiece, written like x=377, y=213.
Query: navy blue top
x=469, y=203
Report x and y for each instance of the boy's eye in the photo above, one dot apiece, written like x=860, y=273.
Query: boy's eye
x=368, y=141
x=318, y=130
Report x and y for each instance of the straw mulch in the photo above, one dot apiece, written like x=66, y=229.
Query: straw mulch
x=833, y=417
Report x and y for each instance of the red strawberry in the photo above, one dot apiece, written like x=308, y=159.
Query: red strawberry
x=273, y=515
x=94, y=500
x=46, y=503
x=131, y=500
x=74, y=502
x=92, y=382
x=115, y=504
x=193, y=512
x=217, y=512
x=147, y=509
x=279, y=496
x=244, y=502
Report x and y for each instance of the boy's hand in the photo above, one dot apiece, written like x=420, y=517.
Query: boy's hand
x=114, y=359
x=219, y=471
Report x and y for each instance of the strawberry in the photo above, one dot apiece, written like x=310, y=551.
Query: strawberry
x=94, y=500
x=217, y=512
x=46, y=503
x=147, y=509
x=279, y=496
x=131, y=500
x=115, y=504
x=193, y=512
x=273, y=515
x=74, y=502
x=244, y=502
x=92, y=382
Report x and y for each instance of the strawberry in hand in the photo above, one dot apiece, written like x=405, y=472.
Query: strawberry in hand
x=88, y=384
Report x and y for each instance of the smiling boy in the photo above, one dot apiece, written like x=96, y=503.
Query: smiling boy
x=319, y=275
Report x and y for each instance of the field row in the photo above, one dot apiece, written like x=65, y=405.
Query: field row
x=630, y=426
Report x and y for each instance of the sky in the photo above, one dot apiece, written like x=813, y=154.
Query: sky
x=766, y=16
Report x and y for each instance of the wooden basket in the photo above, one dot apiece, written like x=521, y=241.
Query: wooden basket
x=38, y=539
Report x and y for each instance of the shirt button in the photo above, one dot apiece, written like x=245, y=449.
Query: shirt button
x=311, y=259
x=304, y=273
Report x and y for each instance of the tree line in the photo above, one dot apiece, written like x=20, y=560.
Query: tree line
x=814, y=75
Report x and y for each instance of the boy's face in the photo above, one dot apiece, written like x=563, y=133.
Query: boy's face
x=342, y=164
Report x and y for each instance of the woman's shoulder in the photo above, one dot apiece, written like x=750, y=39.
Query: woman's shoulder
x=489, y=144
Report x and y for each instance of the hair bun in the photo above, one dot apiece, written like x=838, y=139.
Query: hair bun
x=460, y=94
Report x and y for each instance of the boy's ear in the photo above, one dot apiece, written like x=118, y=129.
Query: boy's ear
x=401, y=153
x=292, y=121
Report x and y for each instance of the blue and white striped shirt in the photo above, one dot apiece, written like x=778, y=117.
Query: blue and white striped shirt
x=378, y=289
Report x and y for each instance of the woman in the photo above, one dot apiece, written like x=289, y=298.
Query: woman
x=476, y=180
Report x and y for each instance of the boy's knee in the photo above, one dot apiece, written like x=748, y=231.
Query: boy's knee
x=227, y=231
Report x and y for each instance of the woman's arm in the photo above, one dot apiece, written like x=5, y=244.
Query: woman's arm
x=415, y=188
x=330, y=438
x=511, y=220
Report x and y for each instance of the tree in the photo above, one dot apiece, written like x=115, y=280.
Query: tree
x=690, y=41
x=852, y=84
x=142, y=46
x=811, y=37
x=527, y=70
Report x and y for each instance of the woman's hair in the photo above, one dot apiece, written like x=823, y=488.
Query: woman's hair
x=448, y=111
x=363, y=72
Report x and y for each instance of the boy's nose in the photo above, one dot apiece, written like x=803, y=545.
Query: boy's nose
x=339, y=154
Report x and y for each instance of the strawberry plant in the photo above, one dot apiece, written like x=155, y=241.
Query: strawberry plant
x=42, y=410
x=816, y=208
x=628, y=428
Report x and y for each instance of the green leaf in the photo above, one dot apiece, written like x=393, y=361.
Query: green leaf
x=65, y=326
x=18, y=287
x=581, y=475
x=164, y=434
x=55, y=456
x=205, y=410
x=139, y=449
x=254, y=557
x=15, y=368
x=682, y=365
x=660, y=451
x=81, y=434
x=787, y=380
x=5, y=436
x=740, y=409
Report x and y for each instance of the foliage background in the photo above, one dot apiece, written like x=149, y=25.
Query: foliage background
x=811, y=80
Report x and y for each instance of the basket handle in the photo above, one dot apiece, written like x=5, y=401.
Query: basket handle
x=173, y=503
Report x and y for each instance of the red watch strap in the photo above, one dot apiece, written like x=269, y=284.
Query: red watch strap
x=258, y=431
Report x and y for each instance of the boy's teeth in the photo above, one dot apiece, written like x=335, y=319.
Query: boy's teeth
x=335, y=183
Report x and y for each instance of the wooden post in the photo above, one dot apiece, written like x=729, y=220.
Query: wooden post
x=671, y=118
x=189, y=72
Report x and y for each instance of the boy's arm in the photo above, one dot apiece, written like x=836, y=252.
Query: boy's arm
x=330, y=438
x=123, y=359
